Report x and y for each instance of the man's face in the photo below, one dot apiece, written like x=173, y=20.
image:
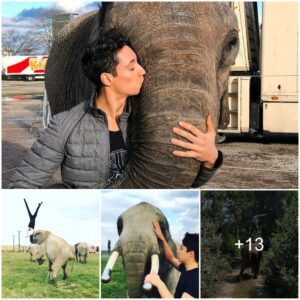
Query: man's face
x=182, y=254
x=130, y=74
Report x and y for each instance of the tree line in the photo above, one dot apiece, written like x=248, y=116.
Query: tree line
x=37, y=40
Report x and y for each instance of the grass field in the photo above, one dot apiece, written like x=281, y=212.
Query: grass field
x=22, y=278
x=117, y=287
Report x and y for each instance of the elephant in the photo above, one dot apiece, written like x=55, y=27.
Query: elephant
x=251, y=258
x=186, y=48
x=141, y=251
x=36, y=253
x=57, y=250
x=81, y=252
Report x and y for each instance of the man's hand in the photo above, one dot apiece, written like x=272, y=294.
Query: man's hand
x=153, y=278
x=157, y=230
x=200, y=146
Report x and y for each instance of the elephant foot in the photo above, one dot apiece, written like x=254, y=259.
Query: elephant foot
x=53, y=281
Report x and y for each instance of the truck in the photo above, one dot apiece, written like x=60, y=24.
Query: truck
x=24, y=67
x=263, y=84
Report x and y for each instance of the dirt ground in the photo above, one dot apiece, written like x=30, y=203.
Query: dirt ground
x=247, y=287
x=268, y=163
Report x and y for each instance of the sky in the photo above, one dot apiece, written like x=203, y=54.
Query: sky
x=13, y=8
x=70, y=214
x=18, y=14
x=180, y=207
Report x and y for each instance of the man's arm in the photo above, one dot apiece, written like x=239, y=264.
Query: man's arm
x=42, y=160
x=200, y=146
x=159, y=284
x=186, y=295
x=161, y=287
x=167, y=249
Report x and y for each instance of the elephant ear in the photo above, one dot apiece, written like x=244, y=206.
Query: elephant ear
x=164, y=225
x=65, y=82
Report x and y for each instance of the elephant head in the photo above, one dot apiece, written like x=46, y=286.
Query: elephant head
x=141, y=251
x=39, y=236
x=187, y=49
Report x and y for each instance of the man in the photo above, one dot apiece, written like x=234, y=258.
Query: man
x=32, y=218
x=187, y=263
x=254, y=223
x=89, y=142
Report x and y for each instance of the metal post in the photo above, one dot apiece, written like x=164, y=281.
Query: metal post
x=19, y=233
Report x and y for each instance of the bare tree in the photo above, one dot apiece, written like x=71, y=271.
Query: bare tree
x=16, y=43
x=43, y=27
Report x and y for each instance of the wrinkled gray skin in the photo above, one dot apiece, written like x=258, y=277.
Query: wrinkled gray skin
x=138, y=242
x=186, y=48
x=81, y=252
x=57, y=250
x=36, y=253
x=250, y=259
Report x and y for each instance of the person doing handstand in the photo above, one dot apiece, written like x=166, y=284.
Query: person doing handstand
x=32, y=218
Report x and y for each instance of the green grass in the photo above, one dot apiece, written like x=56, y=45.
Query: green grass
x=22, y=278
x=117, y=287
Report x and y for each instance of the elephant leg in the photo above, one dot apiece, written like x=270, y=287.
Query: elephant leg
x=255, y=267
x=242, y=270
x=50, y=265
x=54, y=269
x=64, y=267
x=255, y=272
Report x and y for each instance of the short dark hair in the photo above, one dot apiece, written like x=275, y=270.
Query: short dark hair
x=101, y=55
x=191, y=242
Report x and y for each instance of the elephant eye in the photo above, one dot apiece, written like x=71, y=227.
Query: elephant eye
x=229, y=51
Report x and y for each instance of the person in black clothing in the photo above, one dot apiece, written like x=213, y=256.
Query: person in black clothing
x=32, y=218
x=187, y=263
x=254, y=223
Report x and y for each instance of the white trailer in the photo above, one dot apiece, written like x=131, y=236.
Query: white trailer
x=24, y=67
x=263, y=86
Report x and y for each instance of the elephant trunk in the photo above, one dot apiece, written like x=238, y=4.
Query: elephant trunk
x=135, y=267
x=139, y=258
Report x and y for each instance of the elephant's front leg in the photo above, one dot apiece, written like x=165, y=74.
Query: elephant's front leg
x=54, y=269
x=242, y=269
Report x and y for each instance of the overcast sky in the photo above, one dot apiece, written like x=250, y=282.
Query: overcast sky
x=70, y=214
x=180, y=207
